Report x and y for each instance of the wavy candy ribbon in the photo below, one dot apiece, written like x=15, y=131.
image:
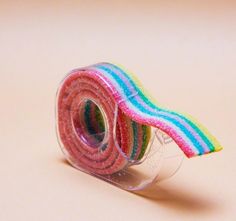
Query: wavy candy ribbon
x=87, y=101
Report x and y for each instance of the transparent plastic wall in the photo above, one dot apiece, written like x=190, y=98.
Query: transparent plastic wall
x=161, y=160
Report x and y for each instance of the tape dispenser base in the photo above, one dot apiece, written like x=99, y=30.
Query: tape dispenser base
x=161, y=160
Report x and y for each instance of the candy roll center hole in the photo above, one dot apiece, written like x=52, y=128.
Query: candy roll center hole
x=90, y=124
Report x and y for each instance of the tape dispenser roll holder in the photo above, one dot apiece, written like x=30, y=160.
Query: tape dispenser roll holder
x=161, y=160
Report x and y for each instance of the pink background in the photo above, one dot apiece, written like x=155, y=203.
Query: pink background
x=183, y=52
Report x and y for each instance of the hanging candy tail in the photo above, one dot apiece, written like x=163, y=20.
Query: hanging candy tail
x=189, y=135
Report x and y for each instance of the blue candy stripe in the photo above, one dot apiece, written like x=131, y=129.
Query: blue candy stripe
x=155, y=114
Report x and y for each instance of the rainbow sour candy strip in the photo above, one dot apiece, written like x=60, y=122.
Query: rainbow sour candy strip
x=109, y=85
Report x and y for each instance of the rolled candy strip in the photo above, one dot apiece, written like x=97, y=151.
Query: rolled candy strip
x=86, y=108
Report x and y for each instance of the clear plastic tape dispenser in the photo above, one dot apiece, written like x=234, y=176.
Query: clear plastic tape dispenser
x=87, y=149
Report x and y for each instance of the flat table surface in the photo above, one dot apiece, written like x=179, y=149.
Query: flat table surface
x=184, y=52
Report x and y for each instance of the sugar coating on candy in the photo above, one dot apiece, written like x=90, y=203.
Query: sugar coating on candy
x=87, y=102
